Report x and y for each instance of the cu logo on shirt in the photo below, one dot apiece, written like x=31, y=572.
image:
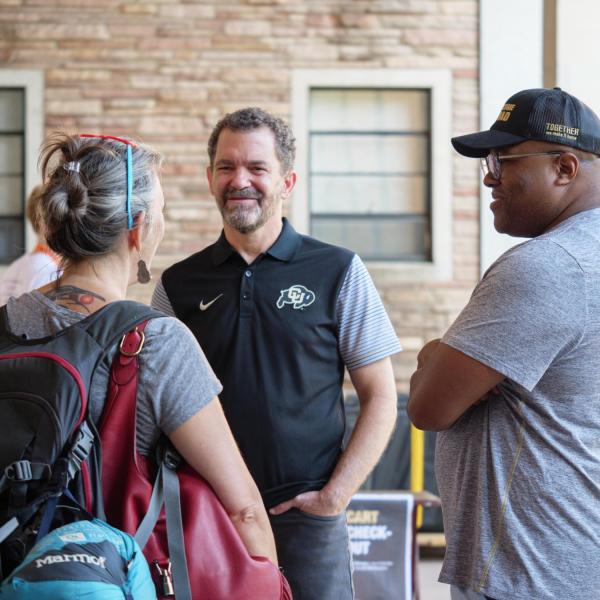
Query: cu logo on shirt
x=296, y=295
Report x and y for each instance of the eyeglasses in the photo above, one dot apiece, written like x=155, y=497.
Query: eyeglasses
x=492, y=163
x=129, y=145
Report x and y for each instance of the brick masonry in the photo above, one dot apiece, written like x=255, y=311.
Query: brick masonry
x=166, y=70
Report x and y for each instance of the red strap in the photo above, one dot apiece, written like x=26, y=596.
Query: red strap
x=119, y=411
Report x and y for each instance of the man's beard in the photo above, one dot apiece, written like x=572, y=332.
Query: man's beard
x=246, y=219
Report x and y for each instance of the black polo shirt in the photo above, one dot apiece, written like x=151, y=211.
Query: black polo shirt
x=270, y=332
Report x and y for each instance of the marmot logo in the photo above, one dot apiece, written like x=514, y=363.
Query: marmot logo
x=60, y=558
x=296, y=295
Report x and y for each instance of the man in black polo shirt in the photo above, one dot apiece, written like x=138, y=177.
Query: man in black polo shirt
x=279, y=315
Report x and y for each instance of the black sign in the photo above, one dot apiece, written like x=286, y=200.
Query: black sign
x=380, y=525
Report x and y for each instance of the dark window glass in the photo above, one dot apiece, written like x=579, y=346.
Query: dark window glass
x=12, y=174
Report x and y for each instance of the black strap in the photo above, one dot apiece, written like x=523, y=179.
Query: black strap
x=21, y=472
x=47, y=518
x=18, y=473
x=50, y=509
x=94, y=462
x=16, y=478
x=23, y=516
x=3, y=320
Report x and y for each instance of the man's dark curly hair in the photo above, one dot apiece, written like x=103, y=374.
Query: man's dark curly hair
x=250, y=118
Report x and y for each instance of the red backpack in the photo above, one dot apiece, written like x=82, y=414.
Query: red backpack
x=192, y=547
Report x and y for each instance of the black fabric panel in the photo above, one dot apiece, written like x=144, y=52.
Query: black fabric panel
x=100, y=562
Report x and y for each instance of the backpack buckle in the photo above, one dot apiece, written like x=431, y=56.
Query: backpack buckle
x=127, y=341
x=20, y=470
x=80, y=449
x=24, y=470
x=168, y=456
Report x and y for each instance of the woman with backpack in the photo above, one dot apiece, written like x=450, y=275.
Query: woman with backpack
x=102, y=211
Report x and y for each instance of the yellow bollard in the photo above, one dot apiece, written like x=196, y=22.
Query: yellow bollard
x=417, y=466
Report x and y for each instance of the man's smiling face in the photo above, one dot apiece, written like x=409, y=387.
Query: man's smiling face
x=246, y=178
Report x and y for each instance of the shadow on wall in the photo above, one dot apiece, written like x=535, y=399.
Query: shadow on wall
x=393, y=470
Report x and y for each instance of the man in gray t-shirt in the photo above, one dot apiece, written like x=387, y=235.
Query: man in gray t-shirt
x=515, y=382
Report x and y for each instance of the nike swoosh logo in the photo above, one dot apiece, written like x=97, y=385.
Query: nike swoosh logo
x=203, y=306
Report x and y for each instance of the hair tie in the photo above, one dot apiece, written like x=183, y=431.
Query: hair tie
x=74, y=165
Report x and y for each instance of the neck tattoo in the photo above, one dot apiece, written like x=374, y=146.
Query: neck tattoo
x=73, y=297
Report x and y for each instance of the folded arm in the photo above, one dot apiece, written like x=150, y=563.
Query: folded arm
x=445, y=385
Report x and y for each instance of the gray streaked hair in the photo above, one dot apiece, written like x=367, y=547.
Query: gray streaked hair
x=83, y=209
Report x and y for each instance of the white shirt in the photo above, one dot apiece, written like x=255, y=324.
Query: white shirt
x=29, y=272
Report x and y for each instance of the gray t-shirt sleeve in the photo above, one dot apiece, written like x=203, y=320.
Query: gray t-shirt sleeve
x=176, y=380
x=529, y=308
x=366, y=334
x=161, y=301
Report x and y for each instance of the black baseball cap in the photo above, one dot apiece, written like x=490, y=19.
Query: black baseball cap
x=544, y=115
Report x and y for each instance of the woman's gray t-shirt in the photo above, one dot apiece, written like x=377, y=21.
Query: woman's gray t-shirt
x=175, y=379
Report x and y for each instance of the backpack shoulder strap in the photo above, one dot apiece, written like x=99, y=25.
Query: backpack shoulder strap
x=110, y=322
x=106, y=327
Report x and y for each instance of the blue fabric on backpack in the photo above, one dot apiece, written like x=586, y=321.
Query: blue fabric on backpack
x=86, y=560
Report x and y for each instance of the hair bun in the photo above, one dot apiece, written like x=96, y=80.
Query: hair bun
x=77, y=195
x=84, y=201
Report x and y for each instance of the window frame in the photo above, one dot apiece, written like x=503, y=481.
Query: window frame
x=438, y=82
x=32, y=83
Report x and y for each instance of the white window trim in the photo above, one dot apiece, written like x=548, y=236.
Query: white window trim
x=506, y=41
x=439, y=82
x=33, y=84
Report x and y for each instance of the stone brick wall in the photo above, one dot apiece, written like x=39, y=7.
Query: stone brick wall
x=166, y=70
